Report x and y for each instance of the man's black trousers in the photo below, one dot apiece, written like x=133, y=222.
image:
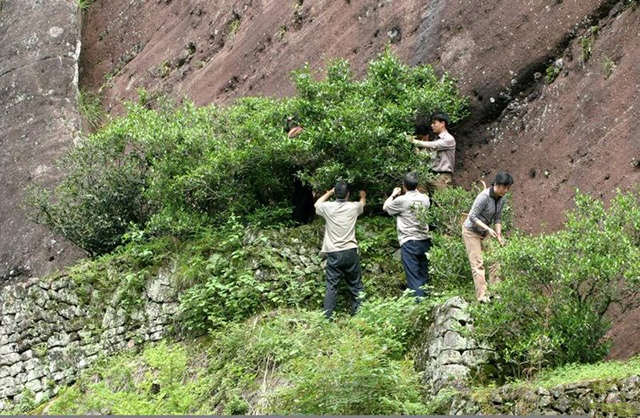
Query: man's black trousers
x=343, y=264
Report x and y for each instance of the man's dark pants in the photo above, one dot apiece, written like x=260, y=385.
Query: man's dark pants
x=416, y=265
x=343, y=264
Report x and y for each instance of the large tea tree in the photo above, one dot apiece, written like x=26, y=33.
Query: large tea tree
x=170, y=169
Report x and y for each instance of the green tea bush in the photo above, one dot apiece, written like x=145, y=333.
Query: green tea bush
x=168, y=168
x=102, y=195
x=558, y=288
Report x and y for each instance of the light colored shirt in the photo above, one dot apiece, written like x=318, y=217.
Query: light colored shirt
x=485, y=208
x=404, y=208
x=445, y=152
x=340, y=226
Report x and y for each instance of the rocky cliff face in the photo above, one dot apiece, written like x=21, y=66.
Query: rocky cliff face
x=39, y=49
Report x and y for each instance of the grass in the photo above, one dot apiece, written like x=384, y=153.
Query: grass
x=573, y=373
x=280, y=362
x=608, y=66
x=90, y=107
x=84, y=4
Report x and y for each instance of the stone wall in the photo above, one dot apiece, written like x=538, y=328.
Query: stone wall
x=612, y=398
x=48, y=333
x=448, y=355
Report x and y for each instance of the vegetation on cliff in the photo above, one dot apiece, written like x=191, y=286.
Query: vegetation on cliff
x=174, y=169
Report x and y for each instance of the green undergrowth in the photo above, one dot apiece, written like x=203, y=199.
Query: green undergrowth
x=287, y=361
x=291, y=361
x=231, y=272
x=572, y=373
x=595, y=375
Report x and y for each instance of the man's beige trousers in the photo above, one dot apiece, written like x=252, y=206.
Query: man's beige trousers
x=473, y=244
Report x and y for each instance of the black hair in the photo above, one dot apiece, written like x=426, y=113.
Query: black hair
x=503, y=179
x=422, y=124
x=441, y=117
x=290, y=122
x=410, y=180
x=341, y=190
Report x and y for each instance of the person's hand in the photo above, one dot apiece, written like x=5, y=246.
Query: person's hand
x=363, y=194
x=410, y=138
x=295, y=131
x=500, y=239
x=332, y=191
x=396, y=192
x=493, y=233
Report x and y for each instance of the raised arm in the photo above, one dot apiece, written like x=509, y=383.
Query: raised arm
x=323, y=198
x=389, y=206
x=363, y=198
x=437, y=145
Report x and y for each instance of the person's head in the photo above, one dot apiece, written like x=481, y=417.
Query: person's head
x=410, y=181
x=439, y=123
x=421, y=125
x=502, y=183
x=341, y=190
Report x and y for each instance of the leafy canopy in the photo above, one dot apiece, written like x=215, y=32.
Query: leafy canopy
x=174, y=169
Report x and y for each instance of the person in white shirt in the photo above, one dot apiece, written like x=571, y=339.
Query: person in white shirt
x=413, y=235
x=340, y=245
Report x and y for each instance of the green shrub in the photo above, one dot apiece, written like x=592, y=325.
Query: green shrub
x=552, y=73
x=102, y=195
x=163, y=379
x=558, y=288
x=231, y=272
x=157, y=168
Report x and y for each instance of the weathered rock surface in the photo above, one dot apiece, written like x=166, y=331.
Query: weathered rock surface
x=578, y=130
x=48, y=333
x=449, y=355
x=39, y=46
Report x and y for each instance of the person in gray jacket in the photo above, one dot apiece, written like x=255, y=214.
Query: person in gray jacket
x=412, y=234
x=340, y=245
x=486, y=211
